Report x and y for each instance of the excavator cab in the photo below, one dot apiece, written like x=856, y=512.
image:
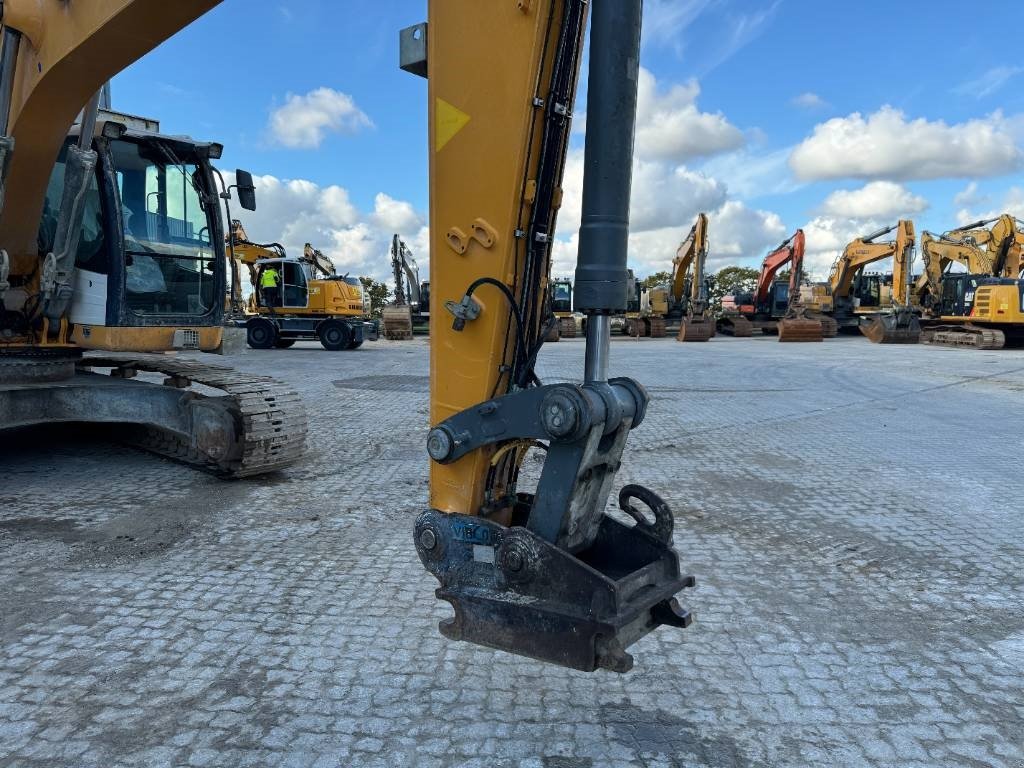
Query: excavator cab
x=150, y=259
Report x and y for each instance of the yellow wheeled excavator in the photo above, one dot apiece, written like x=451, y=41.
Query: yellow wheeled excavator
x=310, y=300
x=689, y=288
x=544, y=572
x=113, y=243
x=978, y=307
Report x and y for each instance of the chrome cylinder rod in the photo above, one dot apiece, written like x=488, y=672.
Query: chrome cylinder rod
x=599, y=336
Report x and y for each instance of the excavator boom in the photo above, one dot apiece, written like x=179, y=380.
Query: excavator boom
x=688, y=271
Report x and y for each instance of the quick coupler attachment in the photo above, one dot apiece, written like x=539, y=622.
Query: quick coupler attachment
x=515, y=591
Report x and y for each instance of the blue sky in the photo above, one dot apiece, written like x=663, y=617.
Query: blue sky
x=770, y=115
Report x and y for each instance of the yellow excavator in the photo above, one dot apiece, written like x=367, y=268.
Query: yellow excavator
x=899, y=324
x=544, y=572
x=979, y=307
x=112, y=243
x=412, y=297
x=311, y=301
x=689, y=288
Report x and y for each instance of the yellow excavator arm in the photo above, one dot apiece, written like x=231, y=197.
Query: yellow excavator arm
x=939, y=251
x=547, y=573
x=865, y=250
x=1002, y=241
x=691, y=253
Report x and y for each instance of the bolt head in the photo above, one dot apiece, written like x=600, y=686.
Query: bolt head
x=428, y=539
x=439, y=444
x=514, y=561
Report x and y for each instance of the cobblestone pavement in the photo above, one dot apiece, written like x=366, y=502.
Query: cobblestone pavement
x=852, y=513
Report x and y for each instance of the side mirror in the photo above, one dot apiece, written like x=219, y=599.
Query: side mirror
x=246, y=190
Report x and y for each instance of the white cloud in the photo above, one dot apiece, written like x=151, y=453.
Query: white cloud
x=1012, y=203
x=665, y=20
x=671, y=128
x=749, y=173
x=888, y=145
x=809, y=100
x=969, y=196
x=988, y=83
x=304, y=121
x=876, y=199
x=827, y=237
x=298, y=211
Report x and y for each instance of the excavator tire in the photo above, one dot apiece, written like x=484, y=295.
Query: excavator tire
x=270, y=418
x=397, y=323
x=695, y=330
x=887, y=329
x=567, y=327
x=967, y=335
x=656, y=327
x=735, y=325
x=800, y=329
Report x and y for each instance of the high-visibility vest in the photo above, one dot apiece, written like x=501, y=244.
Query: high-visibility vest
x=269, y=278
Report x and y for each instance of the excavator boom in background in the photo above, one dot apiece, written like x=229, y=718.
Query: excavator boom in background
x=689, y=286
x=112, y=240
x=897, y=325
x=412, y=297
x=797, y=324
x=545, y=573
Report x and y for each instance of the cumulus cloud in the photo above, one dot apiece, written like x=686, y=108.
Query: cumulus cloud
x=884, y=199
x=1012, y=203
x=294, y=212
x=670, y=127
x=304, y=121
x=809, y=100
x=888, y=145
x=969, y=196
x=827, y=237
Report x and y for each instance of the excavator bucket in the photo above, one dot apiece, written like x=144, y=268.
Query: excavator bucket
x=397, y=322
x=735, y=325
x=893, y=329
x=696, y=330
x=800, y=329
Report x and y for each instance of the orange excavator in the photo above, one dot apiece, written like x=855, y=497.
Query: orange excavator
x=775, y=306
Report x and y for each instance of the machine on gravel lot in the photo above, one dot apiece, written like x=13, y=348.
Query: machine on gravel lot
x=981, y=307
x=411, y=306
x=112, y=241
x=689, y=287
x=310, y=301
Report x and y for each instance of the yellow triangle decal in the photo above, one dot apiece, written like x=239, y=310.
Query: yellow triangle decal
x=449, y=120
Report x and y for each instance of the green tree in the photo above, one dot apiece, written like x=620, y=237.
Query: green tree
x=377, y=295
x=729, y=279
x=656, y=279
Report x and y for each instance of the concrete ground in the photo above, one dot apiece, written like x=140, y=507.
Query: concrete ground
x=852, y=513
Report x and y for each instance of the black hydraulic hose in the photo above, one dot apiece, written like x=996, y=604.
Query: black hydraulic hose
x=522, y=354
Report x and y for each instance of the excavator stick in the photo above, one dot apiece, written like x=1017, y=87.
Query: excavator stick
x=800, y=329
x=734, y=325
x=546, y=574
x=696, y=329
x=893, y=328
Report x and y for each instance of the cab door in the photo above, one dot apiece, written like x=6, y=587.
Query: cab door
x=294, y=286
